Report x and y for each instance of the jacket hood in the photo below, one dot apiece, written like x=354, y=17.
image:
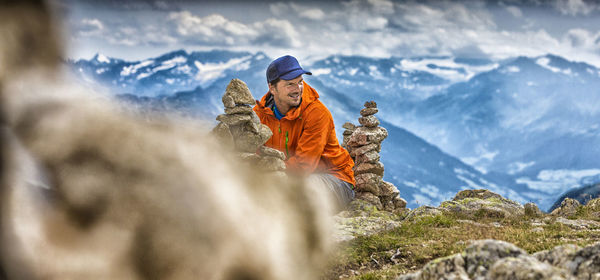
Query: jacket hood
x=309, y=95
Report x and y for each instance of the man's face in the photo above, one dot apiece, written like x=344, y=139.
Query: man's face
x=287, y=93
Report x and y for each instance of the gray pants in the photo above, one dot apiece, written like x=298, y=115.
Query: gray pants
x=342, y=191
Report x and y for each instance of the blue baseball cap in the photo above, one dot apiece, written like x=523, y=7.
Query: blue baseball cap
x=285, y=68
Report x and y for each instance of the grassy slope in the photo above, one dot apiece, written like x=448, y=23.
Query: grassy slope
x=417, y=243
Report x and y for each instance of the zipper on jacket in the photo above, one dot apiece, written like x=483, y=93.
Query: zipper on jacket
x=287, y=153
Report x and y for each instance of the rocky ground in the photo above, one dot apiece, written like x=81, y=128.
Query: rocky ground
x=476, y=235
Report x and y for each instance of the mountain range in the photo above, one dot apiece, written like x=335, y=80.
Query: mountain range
x=524, y=127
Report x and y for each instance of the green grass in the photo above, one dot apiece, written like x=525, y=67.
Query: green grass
x=417, y=243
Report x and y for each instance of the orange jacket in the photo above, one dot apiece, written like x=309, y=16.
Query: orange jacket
x=306, y=135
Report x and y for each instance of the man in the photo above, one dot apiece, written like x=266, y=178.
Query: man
x=303, y=129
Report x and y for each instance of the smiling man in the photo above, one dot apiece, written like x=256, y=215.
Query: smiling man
x=303, y=129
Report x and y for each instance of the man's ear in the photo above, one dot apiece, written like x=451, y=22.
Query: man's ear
x=271, y=88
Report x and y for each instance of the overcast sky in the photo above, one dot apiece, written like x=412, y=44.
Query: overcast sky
x=134, y=30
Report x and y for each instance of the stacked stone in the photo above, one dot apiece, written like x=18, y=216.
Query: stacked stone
x=364, y=144
x=241, y=129
x=349, y=128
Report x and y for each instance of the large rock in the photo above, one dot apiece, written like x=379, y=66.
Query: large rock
x=362, y=219
x=532, y=210
x=479, y=194
x=568, y=207
x=482, y=254
x=494, y=259
x=423, y=211
x=525, y=267
x=239, y=92
x=578, y=223
x=585, y=263
x=581, y=263
x=451, y=267
x=483, y=203
x=592, y=208
x=559, y=255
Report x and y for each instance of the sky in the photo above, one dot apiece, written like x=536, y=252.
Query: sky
x=310, y=30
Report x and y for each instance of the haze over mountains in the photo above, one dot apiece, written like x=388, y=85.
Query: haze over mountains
x=526, y=128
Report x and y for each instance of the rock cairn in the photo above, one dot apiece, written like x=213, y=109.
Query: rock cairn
x=364, y=144
x=241, y=129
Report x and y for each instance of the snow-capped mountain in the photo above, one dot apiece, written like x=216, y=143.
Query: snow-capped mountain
x=164, y=75
x=528, y=125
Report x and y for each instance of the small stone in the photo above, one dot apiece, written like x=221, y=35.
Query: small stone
x=347, y=132
x=270, y=152
x=240, y=109
x=370, y=198
x=349, y=125
x=271, y=164
x=278, y=175
x=243, y=129
x=368, y=111
x=367, y=135
x=228, y=101
x=254, y=118
x=368, y=182
x=369, y=157
x=233, y=120
x=222, y=132
x=369, y=121
x=251, y=158
x=370, y=104
x=238, y=90
x=365, y=149
x=388, y=190
x=264, y=132
x=250, y=142
x=399, y=202
x=375, y=168
x=388, y=206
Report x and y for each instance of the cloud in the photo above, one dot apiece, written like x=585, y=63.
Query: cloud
x=217, y=30
x=514, y=11
x=89, y=27
x=382, y=6
x=573, y=7
x=377, y=28
x=578, y=38
x=302, y=11
x=129, y=5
